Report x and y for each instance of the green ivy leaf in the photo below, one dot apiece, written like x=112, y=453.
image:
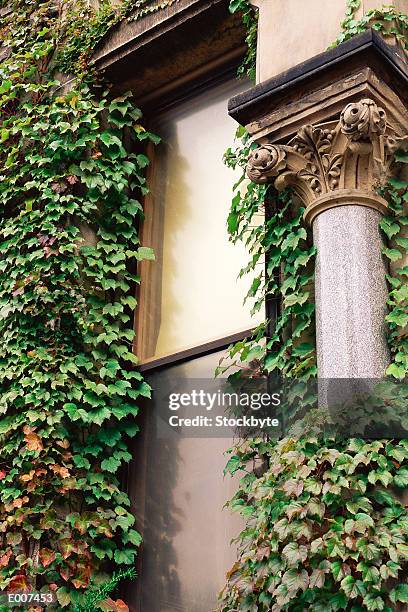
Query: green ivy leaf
x=353, y=588
x=392, y=254
x=399, y=593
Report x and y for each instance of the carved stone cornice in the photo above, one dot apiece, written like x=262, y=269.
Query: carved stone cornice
x=335, y=163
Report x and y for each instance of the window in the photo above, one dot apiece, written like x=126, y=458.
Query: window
x=190, y=295
x=190, y=298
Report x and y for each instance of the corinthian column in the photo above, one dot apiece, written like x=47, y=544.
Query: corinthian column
x=335, y=169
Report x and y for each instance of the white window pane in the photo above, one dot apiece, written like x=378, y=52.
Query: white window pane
x=198, y=297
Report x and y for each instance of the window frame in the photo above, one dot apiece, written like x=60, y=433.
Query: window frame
x=144, y=326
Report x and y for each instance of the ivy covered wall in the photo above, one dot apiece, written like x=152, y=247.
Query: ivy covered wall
x=71, y=186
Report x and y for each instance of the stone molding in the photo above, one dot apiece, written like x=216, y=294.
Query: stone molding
x=334, y=163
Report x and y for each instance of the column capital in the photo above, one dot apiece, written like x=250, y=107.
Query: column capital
x=334, y=163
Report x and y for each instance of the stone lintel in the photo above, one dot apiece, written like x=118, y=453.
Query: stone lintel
x=166, y=54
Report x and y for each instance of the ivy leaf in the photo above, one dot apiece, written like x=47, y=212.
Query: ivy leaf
x=396, y=371
x=109, y=605
x=317, y=578
x=353, y=588
x=134, y=537
x=390, y=570
x=401, y=478
x=295, y=580
x=296, y=298
x=19, y=583
x=108, y=138
x=340, y=570
x=294, y=554
x=360, y=523
x=303, y=349
x=392, y=254
x=370, y=572
x=232, y=222
x=233, y=465
x=110, y=465
x=389, y=226
x=63, y=596
x=33, y=440
x=293, y=239
x=373, y=602
x=402, y=242
x=124, y=557
x=398, y=318
x=399, y=593
x=145, y=253
x=46, y=556
x=5, y=86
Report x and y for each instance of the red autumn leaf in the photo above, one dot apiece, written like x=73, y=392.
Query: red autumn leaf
x=33, y=441
x=66, y=573
x=62, y=471
x=121, y=606
x=19, y=583
x=83, y=575
x=81, y=524
x=50, y=252
x=67, y=546
x=2, y=474
x=5, y=558
x=107, y=605
x=18, y=291
x=63, y=443
x=20, y=501
x=58, y=187
x=47, y=556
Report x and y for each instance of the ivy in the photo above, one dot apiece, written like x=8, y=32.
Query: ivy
x=80, y=42
x=282, y=265
x=97, y=595
x=250, y=22
x=387, y=20
x=394, y=229
x=71, y=184
x=320, y=533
